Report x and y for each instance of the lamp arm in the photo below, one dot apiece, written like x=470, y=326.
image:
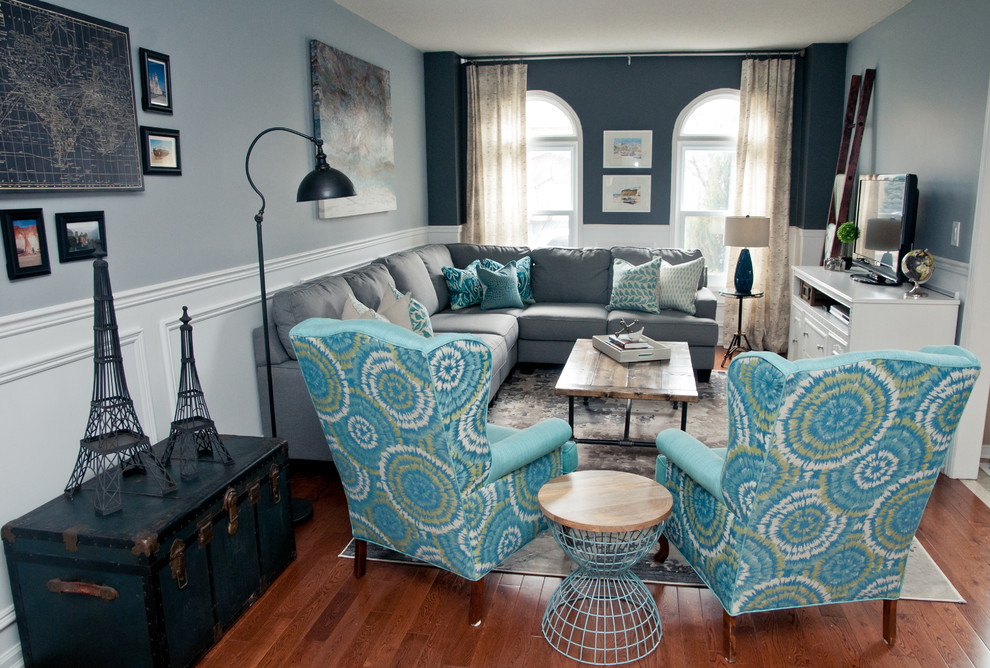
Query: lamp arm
x=247, y=162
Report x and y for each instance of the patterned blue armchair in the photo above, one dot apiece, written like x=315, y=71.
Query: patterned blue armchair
x=423, y=472
x=827, y=472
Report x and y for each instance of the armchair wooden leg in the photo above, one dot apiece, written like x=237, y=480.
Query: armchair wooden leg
x=360, y=557
x=890, y=622
x=729, y=636
x=477, y=602
x=663, y=551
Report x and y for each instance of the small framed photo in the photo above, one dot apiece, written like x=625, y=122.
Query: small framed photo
x=628, y=193
x=156, y=82
x=24, y=243
x=628, y=149
x=78, y=235
x=160, y=151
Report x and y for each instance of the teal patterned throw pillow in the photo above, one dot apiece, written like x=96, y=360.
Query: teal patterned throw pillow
x=678, y=284
x=419, y=316
x=524, y=272
x=635, y=287
x=500, y=288
x=463, y=285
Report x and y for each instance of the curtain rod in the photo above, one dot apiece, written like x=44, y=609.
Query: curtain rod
x=629, y=56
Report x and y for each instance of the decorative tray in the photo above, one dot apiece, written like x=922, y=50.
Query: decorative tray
x=656, y=351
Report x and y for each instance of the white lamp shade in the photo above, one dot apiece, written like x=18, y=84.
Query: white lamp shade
x=747, y=231
x=882, y=234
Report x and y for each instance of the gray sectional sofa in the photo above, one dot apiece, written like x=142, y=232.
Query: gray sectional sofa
x=571, y=287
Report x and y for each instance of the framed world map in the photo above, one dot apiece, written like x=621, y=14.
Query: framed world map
x=68, y=120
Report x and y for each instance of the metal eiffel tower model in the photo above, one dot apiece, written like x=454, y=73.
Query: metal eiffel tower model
x=114, y=440
x=192, y=429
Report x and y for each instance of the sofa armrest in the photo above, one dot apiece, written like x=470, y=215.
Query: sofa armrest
x=275, y=345
x=526, y=446
x=705, y=304
x=703, y=464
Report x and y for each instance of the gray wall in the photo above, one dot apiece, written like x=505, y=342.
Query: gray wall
x=237, y=69
x=927, y=114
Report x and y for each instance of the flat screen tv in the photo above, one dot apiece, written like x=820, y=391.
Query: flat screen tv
x=886, y=212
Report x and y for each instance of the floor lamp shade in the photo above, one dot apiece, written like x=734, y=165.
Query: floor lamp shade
x=747, y=232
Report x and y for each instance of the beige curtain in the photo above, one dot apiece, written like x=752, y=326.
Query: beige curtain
x=763, y=188
x=496, y=155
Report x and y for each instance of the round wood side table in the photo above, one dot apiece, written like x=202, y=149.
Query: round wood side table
x=602, y=613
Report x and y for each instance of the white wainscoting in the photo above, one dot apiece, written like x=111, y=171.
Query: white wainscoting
x=46, y=373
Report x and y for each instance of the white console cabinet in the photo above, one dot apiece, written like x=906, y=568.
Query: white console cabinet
x=833, y=314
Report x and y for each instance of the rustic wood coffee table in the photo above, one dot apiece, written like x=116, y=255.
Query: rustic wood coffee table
x=591, y=373
x=606, y=521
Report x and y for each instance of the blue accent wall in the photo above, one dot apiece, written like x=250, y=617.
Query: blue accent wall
x=928, y=110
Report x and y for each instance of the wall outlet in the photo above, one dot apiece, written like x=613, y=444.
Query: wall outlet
x=955, y=233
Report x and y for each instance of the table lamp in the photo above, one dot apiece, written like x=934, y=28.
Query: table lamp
x=748, y=232
x=324, y=182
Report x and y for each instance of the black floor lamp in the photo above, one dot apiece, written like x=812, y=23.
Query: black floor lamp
x=324, y=182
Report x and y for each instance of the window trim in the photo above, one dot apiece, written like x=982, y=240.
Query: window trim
x=573, y=143
x=683, y=143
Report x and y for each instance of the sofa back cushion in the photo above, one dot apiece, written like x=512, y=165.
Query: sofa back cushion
x=464, y=254
x=574, y=275
x=320, y=298
x=411, y=276
x=369, y=282
x=436, y=257
x=638, y=255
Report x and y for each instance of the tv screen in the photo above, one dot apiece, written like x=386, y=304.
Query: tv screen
x=886, y=213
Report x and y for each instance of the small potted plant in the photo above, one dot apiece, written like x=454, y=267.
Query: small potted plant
x=847, y=233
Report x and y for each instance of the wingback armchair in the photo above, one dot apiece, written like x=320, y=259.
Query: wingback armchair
x=424, y=473
x=827, y=472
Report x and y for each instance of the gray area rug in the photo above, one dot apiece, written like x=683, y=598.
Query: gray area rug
x=527, y=398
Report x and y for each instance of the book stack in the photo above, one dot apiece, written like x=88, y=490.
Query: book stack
x=623, y=342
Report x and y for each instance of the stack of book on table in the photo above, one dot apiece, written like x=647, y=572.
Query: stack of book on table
x=623, y=349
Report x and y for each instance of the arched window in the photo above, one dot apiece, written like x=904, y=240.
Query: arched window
x=703, y=176
x=553, y=169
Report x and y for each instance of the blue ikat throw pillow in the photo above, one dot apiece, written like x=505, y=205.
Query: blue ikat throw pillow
x=500, y=288
x=634, y=287
x=463, y=285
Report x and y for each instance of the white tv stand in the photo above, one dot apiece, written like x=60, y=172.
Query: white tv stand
x=832, y=314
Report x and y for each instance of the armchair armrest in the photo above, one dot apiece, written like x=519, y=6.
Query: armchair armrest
x=526, y=446
x=703, y=464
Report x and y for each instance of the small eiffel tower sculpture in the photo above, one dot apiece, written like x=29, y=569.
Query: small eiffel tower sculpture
x=192, y=429
x=114, y=440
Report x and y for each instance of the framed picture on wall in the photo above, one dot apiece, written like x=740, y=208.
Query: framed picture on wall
x=24, y=243
x=626, y=193
x=160, y=151
x=78, y=235
x=156, y=82
x=628, y=149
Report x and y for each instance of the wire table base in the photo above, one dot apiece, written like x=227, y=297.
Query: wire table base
x=602, y=613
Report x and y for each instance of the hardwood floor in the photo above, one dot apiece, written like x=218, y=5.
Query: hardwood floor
x=317, y=614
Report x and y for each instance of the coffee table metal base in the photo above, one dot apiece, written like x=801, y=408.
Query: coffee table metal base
x=602, y=613
x=625, y=434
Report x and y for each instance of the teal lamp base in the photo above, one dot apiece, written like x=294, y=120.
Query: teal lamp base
x=744, y=272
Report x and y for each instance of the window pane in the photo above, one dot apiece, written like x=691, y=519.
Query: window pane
x=549, y=231
x=548, y=175
x=544, y=119
x=707, y=180
x=707, y=233
x=718, y=116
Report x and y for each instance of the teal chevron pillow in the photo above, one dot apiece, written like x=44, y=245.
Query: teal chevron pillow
x=678, y=284
x=463, y=285
x=634, y=287
x=500, y=288
x=405, y=307
x=524, y=267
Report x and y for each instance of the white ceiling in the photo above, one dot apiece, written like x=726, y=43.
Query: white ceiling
x=508, y=27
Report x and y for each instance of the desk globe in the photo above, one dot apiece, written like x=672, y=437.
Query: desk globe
x=918, y=266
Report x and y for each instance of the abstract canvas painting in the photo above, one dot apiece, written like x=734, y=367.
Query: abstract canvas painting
x=352, y=114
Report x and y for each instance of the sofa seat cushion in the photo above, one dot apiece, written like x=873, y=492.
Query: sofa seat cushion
x=473, y=320
x=669, y=326
x=562, y=322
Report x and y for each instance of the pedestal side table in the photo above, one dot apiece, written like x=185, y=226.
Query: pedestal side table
x=736, y=344
x=606, y=521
